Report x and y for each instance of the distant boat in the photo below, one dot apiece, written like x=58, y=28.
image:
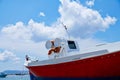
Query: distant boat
x=3, y=75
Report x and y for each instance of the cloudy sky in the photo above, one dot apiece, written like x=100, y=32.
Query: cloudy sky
x=25, y=25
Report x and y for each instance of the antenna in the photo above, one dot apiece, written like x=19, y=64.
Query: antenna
x=66, y=30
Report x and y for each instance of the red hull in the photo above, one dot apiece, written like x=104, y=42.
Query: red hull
x=102, y=66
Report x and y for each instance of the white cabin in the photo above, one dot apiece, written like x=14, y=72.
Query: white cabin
x=59, y=47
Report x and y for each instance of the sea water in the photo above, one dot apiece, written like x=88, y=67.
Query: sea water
x=16, y=77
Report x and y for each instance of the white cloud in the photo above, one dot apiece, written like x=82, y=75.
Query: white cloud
x=82, y=21
x=42, y=14
x=8, y=56
x=40, y=30
x=17, y=32
x=33, y=31
x=90, y=3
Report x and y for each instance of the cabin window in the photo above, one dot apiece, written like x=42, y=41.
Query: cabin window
x=71, y=45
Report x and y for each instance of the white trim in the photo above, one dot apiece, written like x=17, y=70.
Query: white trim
x=68, y=59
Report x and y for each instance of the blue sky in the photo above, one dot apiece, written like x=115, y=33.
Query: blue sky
x=14, y=11
x=111, y=8
x=25, y=25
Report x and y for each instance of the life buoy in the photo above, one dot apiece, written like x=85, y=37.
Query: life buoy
x=55, y=50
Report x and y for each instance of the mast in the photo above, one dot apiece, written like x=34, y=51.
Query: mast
x=65, y=27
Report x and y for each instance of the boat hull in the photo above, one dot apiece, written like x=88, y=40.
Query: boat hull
x=101, y=67
x=3, y=76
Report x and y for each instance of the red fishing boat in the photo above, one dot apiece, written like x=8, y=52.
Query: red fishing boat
x=100, y=62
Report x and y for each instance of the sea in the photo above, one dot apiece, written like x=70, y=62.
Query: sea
x=16, y=77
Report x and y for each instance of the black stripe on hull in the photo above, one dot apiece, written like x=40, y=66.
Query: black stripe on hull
x=116, y=78
x=32, y=77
